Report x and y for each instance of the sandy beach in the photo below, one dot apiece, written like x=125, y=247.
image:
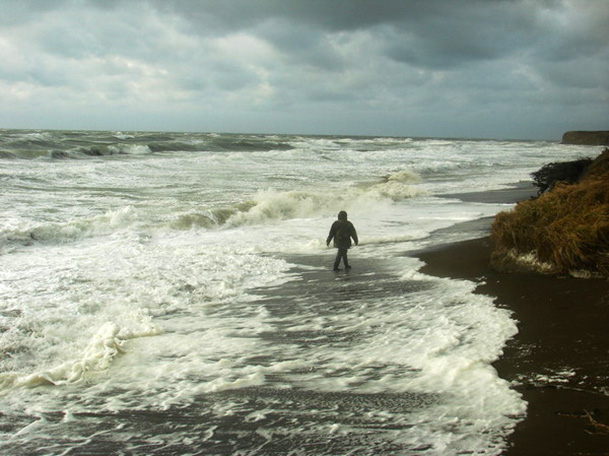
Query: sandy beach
x=558, y=360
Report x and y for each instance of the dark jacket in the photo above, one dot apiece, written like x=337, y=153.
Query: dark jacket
x=342, y=231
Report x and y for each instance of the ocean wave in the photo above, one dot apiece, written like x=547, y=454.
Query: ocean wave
x=102, y=150
x=78, y=152
x=59, y=145
x=7, y=154
x=212, y=218
x=265, y=206
x=121, y=135
x=25, y=154
x=78, y=145
x=398, y=186
x=269, y=205
x=98, y=355
x=68, y=231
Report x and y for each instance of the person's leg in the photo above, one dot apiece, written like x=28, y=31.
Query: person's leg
x=337, y=259
x=345, y=260
x=341, y=255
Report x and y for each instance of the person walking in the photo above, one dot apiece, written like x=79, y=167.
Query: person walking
x=342, y=231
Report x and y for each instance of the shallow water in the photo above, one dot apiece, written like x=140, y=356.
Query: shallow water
x=171, y=293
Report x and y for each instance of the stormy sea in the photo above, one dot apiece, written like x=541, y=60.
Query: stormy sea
x=173, y=294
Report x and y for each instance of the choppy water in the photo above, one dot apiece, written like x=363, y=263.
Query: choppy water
x=171, y=293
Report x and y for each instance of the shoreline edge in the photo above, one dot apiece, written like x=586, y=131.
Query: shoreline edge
x=559, y=360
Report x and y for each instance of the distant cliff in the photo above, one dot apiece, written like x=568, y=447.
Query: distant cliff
x=587, y=138
x=565, y=230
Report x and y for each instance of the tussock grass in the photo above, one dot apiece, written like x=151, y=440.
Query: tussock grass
x=566, y=229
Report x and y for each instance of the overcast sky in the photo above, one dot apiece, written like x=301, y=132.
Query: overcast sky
x=514, y=69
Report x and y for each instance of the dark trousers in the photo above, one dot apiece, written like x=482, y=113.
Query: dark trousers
x=341, y=255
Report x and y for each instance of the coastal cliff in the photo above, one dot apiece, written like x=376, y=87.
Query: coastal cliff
x=565, y=231
x=586, y=138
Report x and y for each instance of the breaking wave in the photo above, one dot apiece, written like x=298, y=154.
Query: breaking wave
x=265, y=206
x=68, y=231
x=98, y=355
x=62, y=145
x=269, y=205
x=102, y=150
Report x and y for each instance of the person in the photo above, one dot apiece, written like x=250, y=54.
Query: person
x=342, y=231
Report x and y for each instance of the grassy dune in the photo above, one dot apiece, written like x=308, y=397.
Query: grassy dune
x=563, y=231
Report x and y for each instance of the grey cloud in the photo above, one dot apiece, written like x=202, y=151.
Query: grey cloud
x=409, y=62
x=461, y=36
x=337, y=15
x=299, y=45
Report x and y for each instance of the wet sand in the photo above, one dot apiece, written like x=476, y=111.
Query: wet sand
x=559, y=360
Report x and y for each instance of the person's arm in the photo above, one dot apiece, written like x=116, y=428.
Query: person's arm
x=332, y=234
x=354, y=235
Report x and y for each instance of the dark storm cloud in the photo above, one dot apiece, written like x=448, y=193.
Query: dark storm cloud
x=321, y=15
x=430, y=33
x=425, y=32
x=274, y=65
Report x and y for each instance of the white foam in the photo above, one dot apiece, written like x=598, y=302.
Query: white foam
x=108, y=297
x=105, y=345
x=118, y=294
x=272, y=205
x=130, y=149
x=70, y=230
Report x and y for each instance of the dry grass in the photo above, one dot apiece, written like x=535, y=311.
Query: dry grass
x=567, y=228
x=598, y=168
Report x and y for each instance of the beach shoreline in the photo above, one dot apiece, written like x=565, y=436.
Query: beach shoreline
x=558, y=360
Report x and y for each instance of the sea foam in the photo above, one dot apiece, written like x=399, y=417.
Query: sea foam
x=178, y=284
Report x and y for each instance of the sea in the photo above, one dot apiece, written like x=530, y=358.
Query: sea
x=172, y=294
